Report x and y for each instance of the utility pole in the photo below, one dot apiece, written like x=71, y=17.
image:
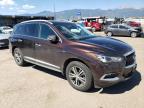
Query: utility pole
x=54, y=10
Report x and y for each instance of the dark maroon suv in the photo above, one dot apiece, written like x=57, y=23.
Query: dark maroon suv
x=85, y=59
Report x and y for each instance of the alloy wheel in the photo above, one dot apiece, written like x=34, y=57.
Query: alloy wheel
x=77, y=76
x=133, y=35
x=18, y=56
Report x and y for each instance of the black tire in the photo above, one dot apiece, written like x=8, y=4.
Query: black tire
x=133, y=34
x=109, y=34
x=18, y=56
x=85, y=80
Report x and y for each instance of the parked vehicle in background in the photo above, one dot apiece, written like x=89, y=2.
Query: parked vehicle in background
x=128, y=22
x=123, y=30
x=133, y=24
x=96, y=23
x=81, y=23
x=4, y=42
x=85, y=59
x=6, y=29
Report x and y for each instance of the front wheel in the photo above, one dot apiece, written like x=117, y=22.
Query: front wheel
x=79, y=76
x=133, y=34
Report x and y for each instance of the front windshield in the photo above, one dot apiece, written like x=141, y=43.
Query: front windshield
x=73, y=31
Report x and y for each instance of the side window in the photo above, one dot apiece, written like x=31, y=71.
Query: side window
x=27, y=29
x=19, y=29
x=32, y=30
x=114, y=26
x=122, y=27
x=46, y=31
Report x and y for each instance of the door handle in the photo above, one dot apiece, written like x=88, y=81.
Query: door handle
x=38, y=45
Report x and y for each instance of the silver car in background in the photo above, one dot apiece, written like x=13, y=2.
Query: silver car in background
x=6, y=29
x=123, y=30
x=4, y=39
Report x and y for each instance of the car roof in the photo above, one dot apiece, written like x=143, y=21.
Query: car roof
x=4, y=26
x=54, y=22
x=29, y=21
x=48, y=21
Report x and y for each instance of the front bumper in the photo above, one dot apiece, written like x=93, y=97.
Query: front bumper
x=113, y=78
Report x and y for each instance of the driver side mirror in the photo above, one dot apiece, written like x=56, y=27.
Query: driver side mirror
x=53, y=38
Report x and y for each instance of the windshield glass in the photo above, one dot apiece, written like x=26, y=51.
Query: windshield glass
x=73, y=31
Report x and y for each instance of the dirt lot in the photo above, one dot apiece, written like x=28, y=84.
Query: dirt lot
x=35, y=87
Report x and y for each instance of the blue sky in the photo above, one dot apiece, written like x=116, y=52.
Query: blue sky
x=12, y=7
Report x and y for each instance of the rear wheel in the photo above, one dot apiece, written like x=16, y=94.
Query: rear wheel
x=109, y=34
x=18, y=56
x=79, y=76
x=133, y=34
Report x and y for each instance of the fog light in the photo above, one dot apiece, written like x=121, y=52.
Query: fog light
x=109, y=76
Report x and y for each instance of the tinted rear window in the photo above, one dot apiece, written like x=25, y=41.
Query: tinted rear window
x=27, y=29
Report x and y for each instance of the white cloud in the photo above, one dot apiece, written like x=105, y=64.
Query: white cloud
x=11, y=5
x=27, y=7
x=11, y=8
x=7, y=3
x=24, y=8
x=21, y=11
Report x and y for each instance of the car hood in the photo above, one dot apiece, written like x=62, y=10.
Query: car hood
x=109, y=45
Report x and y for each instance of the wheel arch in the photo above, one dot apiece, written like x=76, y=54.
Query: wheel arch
x=109, y=31
x=71, y=60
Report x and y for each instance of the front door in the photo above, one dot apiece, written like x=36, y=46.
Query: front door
x=123, y=30
x=46, y=52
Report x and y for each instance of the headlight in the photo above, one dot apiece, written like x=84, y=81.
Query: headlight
x=107, y=59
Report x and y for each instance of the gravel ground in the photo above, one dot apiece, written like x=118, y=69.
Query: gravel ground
x=35, y=87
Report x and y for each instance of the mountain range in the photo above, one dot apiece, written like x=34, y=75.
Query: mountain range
x=70, y=14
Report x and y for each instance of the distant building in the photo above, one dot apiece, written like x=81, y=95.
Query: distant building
x=6, y=20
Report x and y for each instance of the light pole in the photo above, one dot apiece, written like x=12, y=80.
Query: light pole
x=54, y=9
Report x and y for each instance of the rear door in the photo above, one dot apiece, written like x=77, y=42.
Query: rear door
x=30, y=33
x=45, y=51
x=114, y=29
